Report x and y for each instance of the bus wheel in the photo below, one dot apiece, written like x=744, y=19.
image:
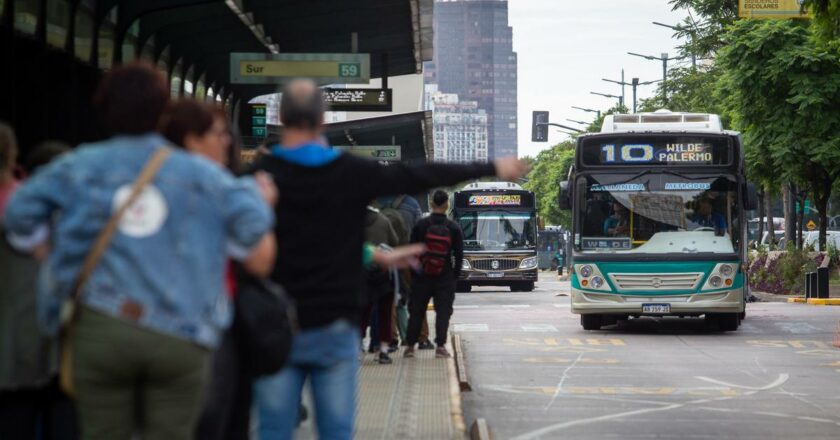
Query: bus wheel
x=463, y=287
x=726, y=322
x=591, y=322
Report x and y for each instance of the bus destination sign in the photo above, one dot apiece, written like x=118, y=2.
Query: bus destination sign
x=656, y=152
x=496, y=200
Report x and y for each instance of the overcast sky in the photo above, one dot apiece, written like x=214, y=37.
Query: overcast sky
x=565, y=47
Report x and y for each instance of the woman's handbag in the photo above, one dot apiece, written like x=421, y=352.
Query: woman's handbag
x=70, y=307
x=265, y=321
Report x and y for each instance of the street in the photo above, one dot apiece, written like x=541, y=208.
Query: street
x=535, y=373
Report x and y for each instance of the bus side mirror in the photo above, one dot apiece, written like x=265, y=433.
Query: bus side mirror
x=750, y=197
x=563, y=197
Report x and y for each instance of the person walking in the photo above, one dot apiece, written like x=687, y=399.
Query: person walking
x=379, y=285
x=153, y=307
x=441, y=266
x=320, y=230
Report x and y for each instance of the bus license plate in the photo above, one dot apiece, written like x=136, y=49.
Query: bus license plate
x=495, y=275
x=657, y=309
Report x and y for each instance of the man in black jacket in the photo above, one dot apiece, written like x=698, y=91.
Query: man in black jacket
x=440, y=284
x=320, y=225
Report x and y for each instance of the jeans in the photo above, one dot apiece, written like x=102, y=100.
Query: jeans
x=329, y=357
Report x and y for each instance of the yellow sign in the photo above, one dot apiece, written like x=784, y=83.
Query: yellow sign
x=811, y=225
x=771, y=9
x=324, y=68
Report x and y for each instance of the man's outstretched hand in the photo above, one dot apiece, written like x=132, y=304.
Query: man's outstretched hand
x=401, y=257
x=510, y=168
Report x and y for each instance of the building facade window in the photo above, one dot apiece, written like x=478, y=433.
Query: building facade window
x=58, y=22
x=26, y=15
x=83, y=30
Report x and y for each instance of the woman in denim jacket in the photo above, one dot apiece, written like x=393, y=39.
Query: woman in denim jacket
x=155, y=305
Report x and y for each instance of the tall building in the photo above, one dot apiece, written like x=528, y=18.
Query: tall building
x=474, y=59
x=460, y=127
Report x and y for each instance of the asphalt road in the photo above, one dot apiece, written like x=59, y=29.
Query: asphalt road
x=536, y=373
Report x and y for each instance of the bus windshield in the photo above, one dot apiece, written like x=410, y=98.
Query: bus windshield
x=498, y=230
x=657, y=213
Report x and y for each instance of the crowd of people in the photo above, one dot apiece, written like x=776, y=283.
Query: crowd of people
x=143, y=238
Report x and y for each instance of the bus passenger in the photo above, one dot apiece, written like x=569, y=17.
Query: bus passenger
x=617, y=224
x=705, y=216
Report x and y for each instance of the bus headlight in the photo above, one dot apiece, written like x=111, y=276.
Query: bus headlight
x=586, y=271
x=726, y=270
x=597, y=282
x=715, y=281
x=528, y=263
x=465, y=264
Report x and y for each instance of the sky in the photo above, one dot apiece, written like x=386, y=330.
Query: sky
x=565, y=47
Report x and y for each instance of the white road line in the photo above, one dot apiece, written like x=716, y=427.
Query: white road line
x=464, y=307
x=558, y=426
x=816, y=419
x=471, y=328
x=771, y=414
x=562, y=380
x=516, y=306
x=538, y=328
x=781, y=379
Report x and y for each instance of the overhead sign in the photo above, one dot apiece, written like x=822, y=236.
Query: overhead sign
x=771, y=9
x=387, y=153
x=496, y=200
x=258, y=120
x=323, y=68
x=359, y=100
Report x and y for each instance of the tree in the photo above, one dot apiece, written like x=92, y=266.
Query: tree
x=704, y=34
x=783, y=86
x=826, y=17
x=550, y=168
x=689, y=90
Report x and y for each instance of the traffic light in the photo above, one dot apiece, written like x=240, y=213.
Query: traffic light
x=539, y=126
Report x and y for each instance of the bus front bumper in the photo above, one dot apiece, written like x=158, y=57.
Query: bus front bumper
x=728, y=301
x=497, y=278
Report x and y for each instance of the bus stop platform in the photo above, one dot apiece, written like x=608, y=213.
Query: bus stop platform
x=416, y=398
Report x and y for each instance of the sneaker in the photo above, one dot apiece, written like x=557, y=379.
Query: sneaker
x=441, y=352
x=385, y=359
x=393, y=347
x=426, y=345
x=409, y=352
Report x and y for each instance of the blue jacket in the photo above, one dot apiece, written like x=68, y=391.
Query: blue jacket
x=169, y=252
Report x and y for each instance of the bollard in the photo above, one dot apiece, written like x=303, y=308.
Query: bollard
x=822, y=282
x=807, y=285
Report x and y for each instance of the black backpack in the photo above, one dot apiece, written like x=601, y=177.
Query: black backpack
x=438, y=241
x=265, y=322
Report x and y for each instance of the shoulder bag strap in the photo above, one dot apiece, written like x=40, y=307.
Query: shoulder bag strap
x=104, y=238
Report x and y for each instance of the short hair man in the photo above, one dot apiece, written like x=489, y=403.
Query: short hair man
x=320, y=231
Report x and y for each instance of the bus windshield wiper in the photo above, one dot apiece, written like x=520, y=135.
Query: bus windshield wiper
x=648, y=171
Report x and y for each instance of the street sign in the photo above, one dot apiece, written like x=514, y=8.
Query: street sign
x=359, y=100
x=258, y=120
x=811, y=225
x=386, y=153
x=771, y=9
x=323, y=68
x=539, y=126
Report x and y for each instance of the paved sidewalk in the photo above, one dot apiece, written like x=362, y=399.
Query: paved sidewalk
x=410, y=399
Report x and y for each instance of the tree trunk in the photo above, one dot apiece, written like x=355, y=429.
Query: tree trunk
x=821, y=200
x=790, y=219
x=760, y=233
x=768, y=214
x=800, y=219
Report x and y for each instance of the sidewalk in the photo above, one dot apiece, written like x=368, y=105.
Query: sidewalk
x=415, y=398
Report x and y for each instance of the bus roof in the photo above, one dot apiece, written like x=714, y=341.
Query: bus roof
x=663, y=121
x=491, y=186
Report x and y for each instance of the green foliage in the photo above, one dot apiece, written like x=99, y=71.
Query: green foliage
x=783, y=86
x=793, y=265
x=689, y=90
x=550, y=168
x=704, y=34
x=826, y=18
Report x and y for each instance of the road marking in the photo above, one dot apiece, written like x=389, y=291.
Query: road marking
x=815, y=419
x=771, y=414
x=538, y=328
x=516, y=306
x=821, y=353
x=559, y=426
x=557, y=360
x=596, y=341
x=559, y=387
x=783, y=343
x=576, y=391
x=464, y=307
x=471, y=328
x=565, y=349
x=798, y=328
x=574, y=342
x=782, y=379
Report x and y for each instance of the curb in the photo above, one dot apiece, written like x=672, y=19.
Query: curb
x=816, y=301
x=458, y=426
x=480, y=430
x=460, y=366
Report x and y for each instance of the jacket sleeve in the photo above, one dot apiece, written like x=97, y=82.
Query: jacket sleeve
x=457, y=248
x=31, y=207
x=387, y=180
x=246, y=216
x=416, y=233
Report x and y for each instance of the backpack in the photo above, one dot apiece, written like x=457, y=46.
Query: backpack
x=438, y=240
x=393, y=214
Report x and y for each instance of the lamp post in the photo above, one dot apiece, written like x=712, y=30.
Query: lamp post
x=598, y=112
x=607, y=95
x=634, y=83
x=678, y=29
x=578, y=122
x=664, y=58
